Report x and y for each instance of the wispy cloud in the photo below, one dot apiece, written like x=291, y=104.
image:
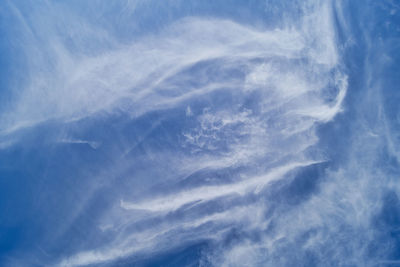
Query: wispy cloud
x=201, y=127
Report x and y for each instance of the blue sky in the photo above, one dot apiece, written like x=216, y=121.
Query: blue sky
x=199, y=133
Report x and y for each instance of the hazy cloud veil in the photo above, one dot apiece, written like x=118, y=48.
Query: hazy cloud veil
x=199, y=133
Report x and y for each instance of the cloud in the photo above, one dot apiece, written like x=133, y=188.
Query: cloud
x=210, y=129
x=280, y=84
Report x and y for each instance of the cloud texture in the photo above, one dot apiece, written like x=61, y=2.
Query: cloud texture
x=196, y=133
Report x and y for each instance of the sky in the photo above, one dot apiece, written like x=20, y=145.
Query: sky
x=199, y=133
